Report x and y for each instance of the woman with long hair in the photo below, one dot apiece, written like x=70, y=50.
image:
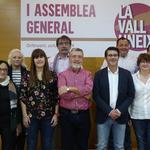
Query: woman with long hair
x=39, y=100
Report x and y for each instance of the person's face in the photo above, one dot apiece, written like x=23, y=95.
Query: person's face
x=16, y=59
x=3, y=72
x=39, y=62
x=123, y=47
x=144, y=65
x=112, y=58
x=63, y=47
x=76, y=59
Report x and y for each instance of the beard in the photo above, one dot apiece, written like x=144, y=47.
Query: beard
x=76, y=66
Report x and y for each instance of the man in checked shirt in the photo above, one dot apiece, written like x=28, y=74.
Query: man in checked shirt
x=75, y=89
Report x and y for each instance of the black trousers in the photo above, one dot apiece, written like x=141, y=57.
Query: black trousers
x=6, y=138
x=18, y=142
x=75, y=129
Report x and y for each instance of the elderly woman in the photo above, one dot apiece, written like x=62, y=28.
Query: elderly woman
x=16, y=71
x=140, y=108
x=8, y=106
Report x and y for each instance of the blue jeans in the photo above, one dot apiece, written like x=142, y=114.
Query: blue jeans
x=118, y=132
x=46, y=132
x=142, y=132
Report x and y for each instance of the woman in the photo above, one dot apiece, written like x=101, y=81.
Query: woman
x=140, y=108
x=39, y=99
x=16, y=71
x=8, y=106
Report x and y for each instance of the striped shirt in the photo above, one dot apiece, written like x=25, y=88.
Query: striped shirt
x=16, y=77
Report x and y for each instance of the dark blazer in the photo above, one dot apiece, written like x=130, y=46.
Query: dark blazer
x=126, y=92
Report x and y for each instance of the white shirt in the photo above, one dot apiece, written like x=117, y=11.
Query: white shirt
x=62, y=64
x=113, y=87
x=140, y=108
x=128, y=62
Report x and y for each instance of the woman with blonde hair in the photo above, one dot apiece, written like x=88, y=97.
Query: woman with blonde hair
x=16, y=71
x=39, y=100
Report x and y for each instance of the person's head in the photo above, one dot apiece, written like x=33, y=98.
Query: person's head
x=63, y=44
x=148, y=49
x=76, y=58
x=112, y=56
x=39, y=61
x=143, y=62
x=3, y=70
x=123, y=44
x=15, y=58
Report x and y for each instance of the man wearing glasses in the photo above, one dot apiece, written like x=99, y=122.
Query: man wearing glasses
x=60, y=62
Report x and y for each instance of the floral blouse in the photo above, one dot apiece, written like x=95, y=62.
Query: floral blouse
x=41, y=99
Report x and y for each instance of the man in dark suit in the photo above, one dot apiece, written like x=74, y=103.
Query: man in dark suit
x=113, y=92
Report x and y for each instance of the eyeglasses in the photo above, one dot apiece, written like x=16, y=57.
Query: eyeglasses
x=3, y=69
x=112, y=55
x=64, y=43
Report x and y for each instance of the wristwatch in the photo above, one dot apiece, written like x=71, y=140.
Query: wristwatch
x=68, y=89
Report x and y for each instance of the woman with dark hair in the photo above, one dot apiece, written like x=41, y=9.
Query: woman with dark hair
x=8, y=107
x=140, y=108
x=39, y=100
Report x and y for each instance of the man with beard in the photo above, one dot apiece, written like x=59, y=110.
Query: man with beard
x=60, y=62
x=75, y=89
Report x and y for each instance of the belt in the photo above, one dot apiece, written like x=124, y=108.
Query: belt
x=74, y=111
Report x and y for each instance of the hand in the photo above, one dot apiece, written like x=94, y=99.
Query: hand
x=54, y=120
x=114, y=114
x=26, y=121
x=74, y=90
x=62, y=90
x=88, y=97
x=18, y=129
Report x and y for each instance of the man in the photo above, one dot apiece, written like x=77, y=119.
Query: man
x=113, y=92
x=75, y=88
x=60, y=62
x=128, y=62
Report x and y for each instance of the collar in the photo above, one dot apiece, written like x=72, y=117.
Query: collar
x=5, y=82
x=116, y=72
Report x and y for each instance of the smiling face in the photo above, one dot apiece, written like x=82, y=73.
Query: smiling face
x=3, y=71
x=112, y=58
x=76, y=59
x=16, y=59
x=123, y=46
x=39, y=61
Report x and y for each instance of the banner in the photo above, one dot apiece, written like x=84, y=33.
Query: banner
x=92, y=25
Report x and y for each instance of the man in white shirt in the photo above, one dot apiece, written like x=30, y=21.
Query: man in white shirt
x=60, y=62
x=128, y=62
x=113, y=92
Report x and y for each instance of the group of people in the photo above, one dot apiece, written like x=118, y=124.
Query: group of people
x=59, y=90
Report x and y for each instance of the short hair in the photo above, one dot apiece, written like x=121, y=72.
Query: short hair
x=148, y=47
x=63, y=37
x=77, y=50
x=111, y=49
x=11, y=53
x=5, y=62
x=143, y=57
x=123, y=38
